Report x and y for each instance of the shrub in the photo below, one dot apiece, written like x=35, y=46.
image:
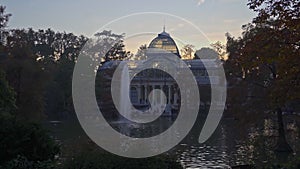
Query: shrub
x=22, y=162
x=28, y=140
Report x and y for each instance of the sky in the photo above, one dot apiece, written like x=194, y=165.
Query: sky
x=197, y=22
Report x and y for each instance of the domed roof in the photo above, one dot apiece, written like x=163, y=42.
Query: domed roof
x=165, y=41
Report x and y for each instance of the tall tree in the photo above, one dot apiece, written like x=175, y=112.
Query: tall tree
x=141, y=53
x=114, y=43
x=220, y=48
x=4, y=17
x=25, y=75
x=7, y=96
x=268, y=54
x=187, y=51
x=206, y=53
x=19, y=138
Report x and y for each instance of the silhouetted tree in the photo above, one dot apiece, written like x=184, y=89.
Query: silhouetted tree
x=141, y=53
x=220, y=49
x=268, y=54
x=4, y=17
x=113, y=43
x=187, y=51
x=206, y=53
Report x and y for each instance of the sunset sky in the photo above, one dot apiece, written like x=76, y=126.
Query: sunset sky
x=212, y=17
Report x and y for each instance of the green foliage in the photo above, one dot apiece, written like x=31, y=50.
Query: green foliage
x=187, y=51
x=294, y=163
x=3, y=17
x=28, y=140
x=18, y=138
x=22, y=162
x=266, y=57
x=268, y=52
x=113, y=42
x=39, y=66
x=141, y=53
x=7, y=96
x=206, y=53
x=101, y=160
x=281, y=10
x=3, y=24
x=59, y=89
x=28, y=81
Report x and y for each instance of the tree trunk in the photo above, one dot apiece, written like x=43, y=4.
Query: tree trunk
x=282, y=144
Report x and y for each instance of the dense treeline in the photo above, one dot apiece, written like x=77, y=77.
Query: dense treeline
x=39, y=66
x=32, y=63
x=36, y=68
x=35, y=62
x=264, y=66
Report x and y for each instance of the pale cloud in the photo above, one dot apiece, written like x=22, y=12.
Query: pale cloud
x=230, y=21
x=200, y=2
x=180, y=25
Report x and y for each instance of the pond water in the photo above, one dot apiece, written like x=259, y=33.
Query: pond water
x=230, y=145
x=233, y=145
x=225, y=148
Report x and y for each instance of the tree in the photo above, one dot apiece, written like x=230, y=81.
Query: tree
x=206, y=53
x=220, y=49
x=25, y=75
x=66, y=48
x=46, y=58
x=187, y=51
x=141, y=53
x=19, y=138
x=268, y=54
x=3, y=23
x=7, y=100
x=113, y=42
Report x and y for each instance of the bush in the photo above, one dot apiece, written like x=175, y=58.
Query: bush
x=28, y=140
x=17, y=138
x=22, y=162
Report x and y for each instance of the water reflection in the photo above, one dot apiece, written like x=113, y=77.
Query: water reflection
x=202, y=156
x=222, y=150
x=226, y=147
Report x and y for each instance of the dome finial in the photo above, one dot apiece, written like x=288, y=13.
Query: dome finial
x=164, y=28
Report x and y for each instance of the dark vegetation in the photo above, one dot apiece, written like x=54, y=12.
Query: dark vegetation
x=35, y=85
x=36, y=66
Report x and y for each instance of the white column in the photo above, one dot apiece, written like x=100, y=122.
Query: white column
x=153, y=98
x=139, y=93
x=175, y=97
x=161, y=94
x=146, y=93
x=169, y=94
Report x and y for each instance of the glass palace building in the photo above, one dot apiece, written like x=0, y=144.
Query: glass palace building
x=147, y=80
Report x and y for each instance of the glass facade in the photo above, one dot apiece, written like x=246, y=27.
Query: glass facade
x=165, y=42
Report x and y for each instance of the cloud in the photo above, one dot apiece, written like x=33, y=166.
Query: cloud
x=180, y=25
x=230, y=21
x=200, y=2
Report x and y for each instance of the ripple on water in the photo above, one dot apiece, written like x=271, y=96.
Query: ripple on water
x=209, y=156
